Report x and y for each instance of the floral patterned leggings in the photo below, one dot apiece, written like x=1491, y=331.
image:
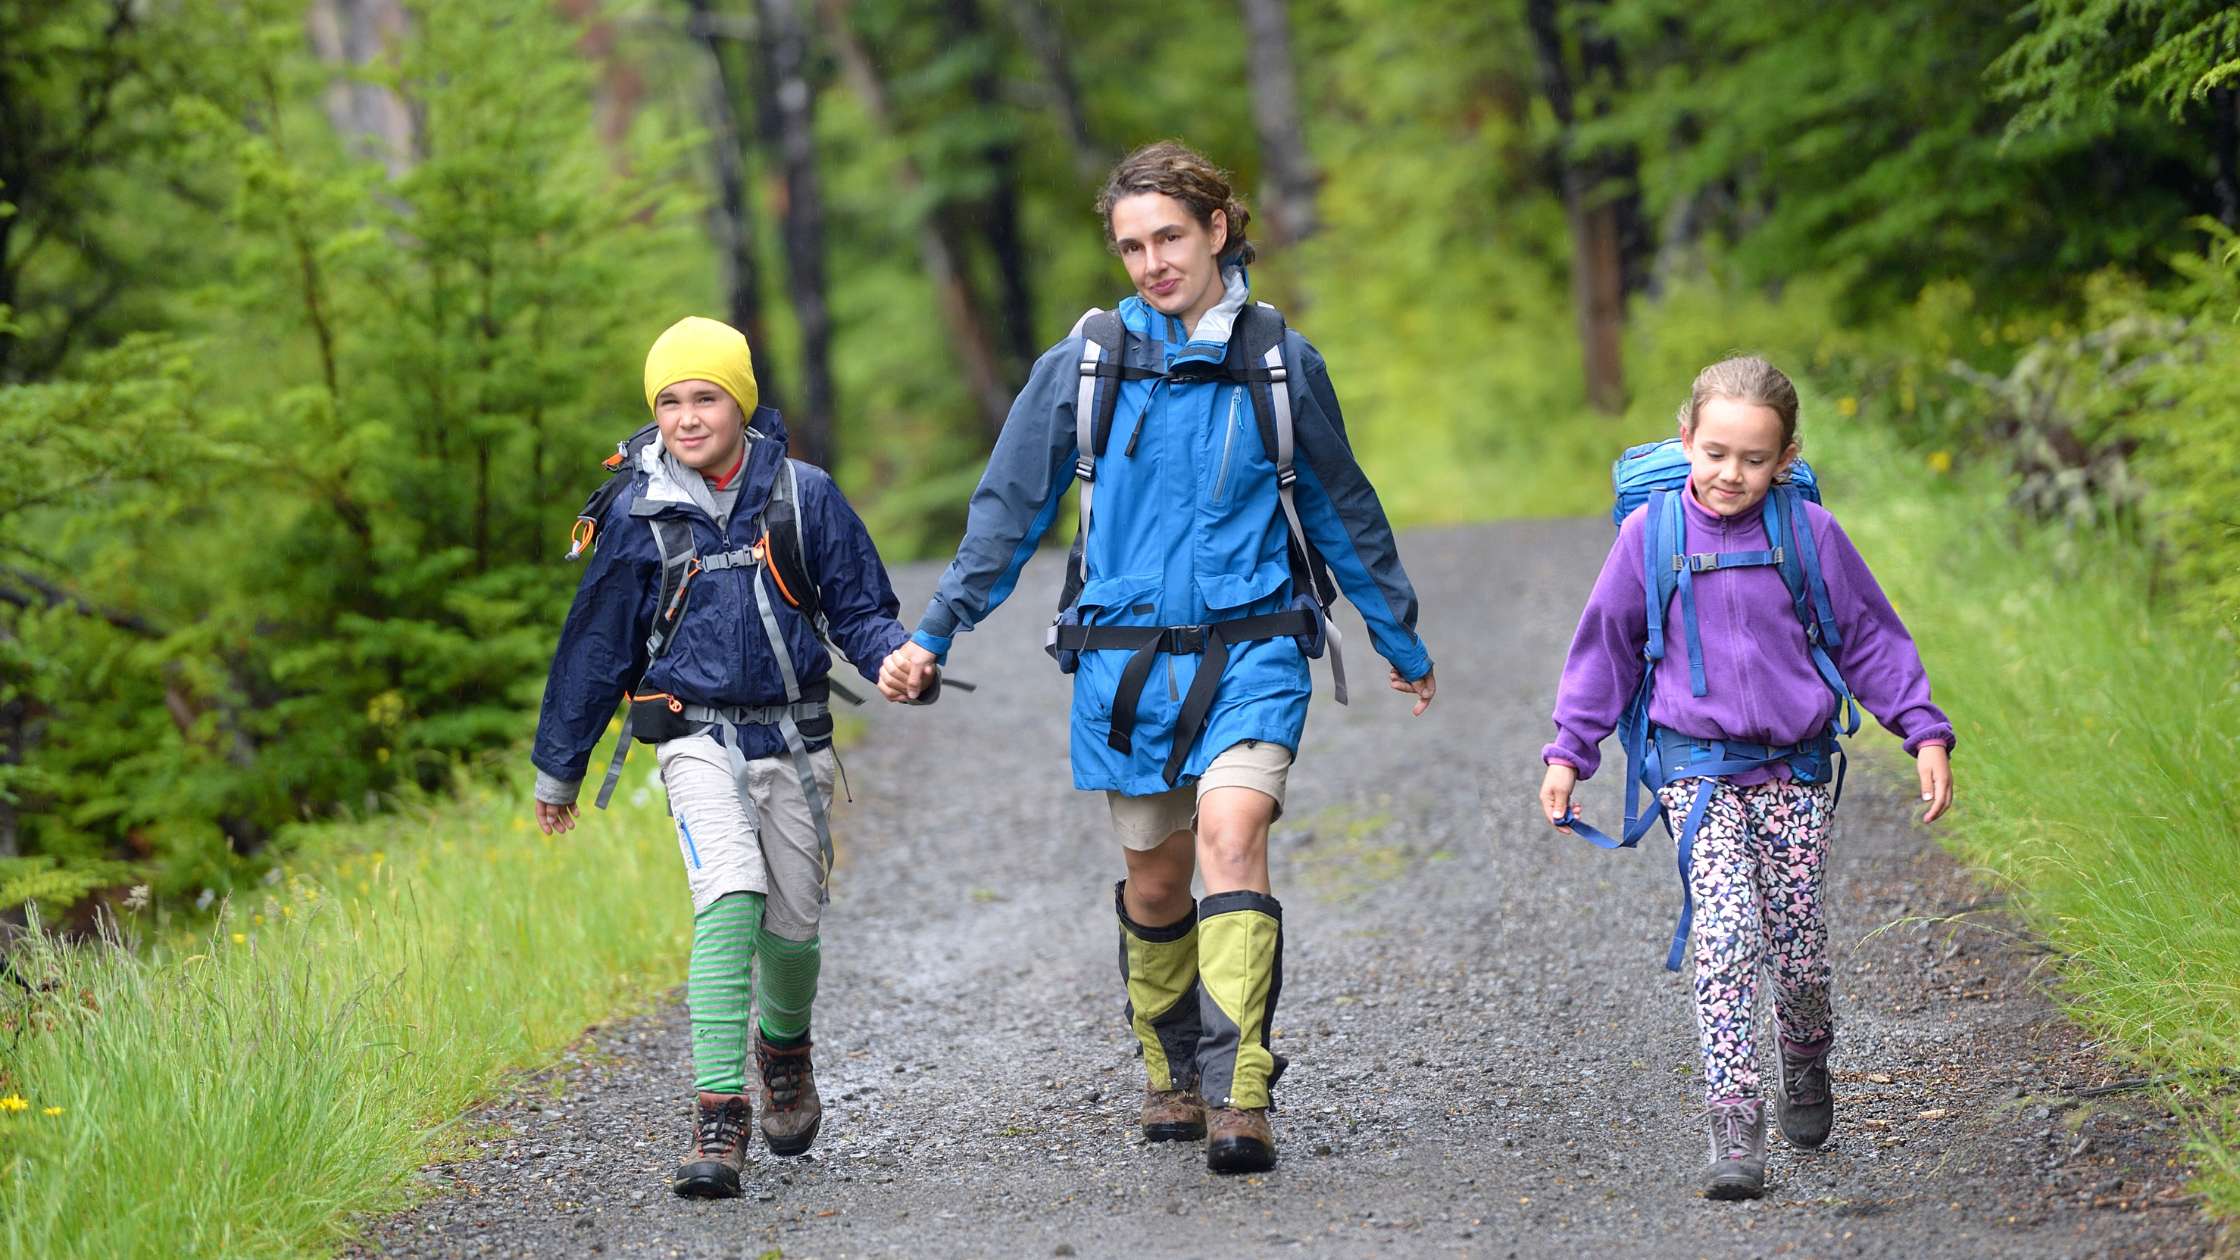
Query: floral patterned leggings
x=1760, y=853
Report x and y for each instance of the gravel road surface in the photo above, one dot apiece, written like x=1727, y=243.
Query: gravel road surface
x=1487, y=1058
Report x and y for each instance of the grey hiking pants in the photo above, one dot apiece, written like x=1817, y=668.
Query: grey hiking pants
x=748, y=834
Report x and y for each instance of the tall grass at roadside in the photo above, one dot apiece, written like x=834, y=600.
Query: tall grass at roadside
x=2098, y=760
x=249, y=1091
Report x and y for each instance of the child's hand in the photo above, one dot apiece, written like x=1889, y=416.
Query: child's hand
x=1422, y=689
x=1555, y=792
x=555, y=818
x=1934, y=761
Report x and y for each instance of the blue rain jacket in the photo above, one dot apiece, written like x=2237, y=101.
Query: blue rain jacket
x=720, y=655
x=1186, y=530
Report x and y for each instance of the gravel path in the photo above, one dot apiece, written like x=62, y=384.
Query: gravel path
x=1487, y=1058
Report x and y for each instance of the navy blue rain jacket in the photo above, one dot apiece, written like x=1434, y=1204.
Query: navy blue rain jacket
x=720, y=655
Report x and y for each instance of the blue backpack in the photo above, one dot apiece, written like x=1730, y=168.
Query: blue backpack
x=1653, y=474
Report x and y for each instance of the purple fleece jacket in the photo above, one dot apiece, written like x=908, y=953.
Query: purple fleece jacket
x=1760, y=682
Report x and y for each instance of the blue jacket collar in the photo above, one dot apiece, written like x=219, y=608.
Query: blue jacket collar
x=1209, y=342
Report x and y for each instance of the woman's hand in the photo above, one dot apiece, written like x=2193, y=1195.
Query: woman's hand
x=1934, y=761
x=1555, y=792
x=1422, y=688
x=905, y=672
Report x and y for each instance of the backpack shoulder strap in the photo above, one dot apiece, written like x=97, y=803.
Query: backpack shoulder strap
x=1789, y=531
x=585, y=533
x=1104, y=344
x=672, y=537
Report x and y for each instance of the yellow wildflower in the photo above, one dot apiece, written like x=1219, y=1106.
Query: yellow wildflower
x=13, y=1102
x=1940, y=462
x=1847, y=406
x=51, y=1111
x=256, y=920
x=240, y=938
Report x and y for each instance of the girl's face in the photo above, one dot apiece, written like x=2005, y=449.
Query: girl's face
x=701, y=425
x=1734, y=452
x=1172, y=258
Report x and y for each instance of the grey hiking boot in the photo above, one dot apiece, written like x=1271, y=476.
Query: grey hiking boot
x=1738, y=1149
x=719, y=1148
x=791, y=1110
x=1806, y=1105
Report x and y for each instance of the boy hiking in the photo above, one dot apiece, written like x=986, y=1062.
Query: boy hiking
x=1218, y=496
x=720, y=566
x=1776, y=625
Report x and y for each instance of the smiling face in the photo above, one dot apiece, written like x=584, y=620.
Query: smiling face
x=701, y=425
x=1735, y=449
x=1173, y=259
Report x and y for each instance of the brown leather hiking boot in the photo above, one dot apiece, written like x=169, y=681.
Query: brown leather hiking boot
x=1238, y=1140
x=719, y=1149
x=791, y=1110
x=1173, y=1115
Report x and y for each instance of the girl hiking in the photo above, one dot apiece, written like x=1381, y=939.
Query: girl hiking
x=1216, y=483
x=686, y=608
x=1776, y=624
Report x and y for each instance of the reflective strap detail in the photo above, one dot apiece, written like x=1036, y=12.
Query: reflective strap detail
x=752, y=715
x=621, y=754
x=791, y=730
x=1287, y=476
x=1084, y=435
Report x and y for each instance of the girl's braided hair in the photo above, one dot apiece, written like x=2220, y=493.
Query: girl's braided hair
x=1176, y=170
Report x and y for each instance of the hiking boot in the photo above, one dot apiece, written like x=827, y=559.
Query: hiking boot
x=1173, y=1115
x=791, y=1110
x=1805, y=1108
x=719, y=1149
x=1738, y=1149
x=1238, y=1140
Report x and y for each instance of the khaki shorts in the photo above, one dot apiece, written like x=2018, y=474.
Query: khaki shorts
x=1143, y=822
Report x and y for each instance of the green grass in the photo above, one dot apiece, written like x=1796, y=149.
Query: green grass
x=2099, y=753
x=252, y=1090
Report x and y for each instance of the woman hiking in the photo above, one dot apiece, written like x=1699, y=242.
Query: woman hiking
x=1741, y=725
x=1219, y=496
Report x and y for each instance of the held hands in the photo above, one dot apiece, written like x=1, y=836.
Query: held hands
x=1555, y=792
x=1422, y=688
x=906, y=672
x=557, y=818
x=1934, y=762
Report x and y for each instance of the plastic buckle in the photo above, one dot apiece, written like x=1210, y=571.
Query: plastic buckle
x=1186, y=640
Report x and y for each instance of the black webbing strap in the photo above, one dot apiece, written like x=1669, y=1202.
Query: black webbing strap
x=1147, y=642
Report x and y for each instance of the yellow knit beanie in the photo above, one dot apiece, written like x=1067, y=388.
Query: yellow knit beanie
x=698, y=349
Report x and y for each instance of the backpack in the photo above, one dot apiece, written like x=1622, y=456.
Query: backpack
x=1254, y=360
x=1653, y=474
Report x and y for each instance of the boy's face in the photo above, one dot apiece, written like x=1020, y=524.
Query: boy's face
x=1734, y=451
x=701, y=425
x=1172, y=258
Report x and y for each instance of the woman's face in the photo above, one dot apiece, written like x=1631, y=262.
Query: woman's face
x=1734, y=452
x=1171, y=257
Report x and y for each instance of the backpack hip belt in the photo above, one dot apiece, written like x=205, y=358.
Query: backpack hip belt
x=1212, y=641
x=754, y=715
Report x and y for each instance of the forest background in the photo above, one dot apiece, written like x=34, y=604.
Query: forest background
x=316, y=317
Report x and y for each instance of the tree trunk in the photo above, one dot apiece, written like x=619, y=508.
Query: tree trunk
x=351, y=33
x=960, y=314
x=1044, y=38
x=787, y=101
x=732, y=213
x=1600, y=217
x=1288, y=189
x=2224, y=130
x=999, y=212
x=621, y=84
